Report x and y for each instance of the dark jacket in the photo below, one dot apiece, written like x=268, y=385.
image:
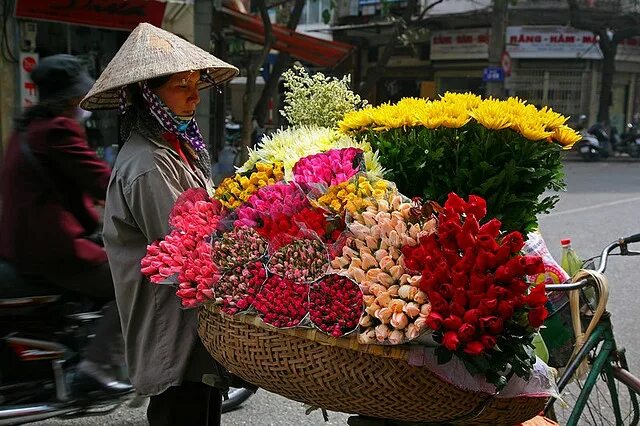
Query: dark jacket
x=44, y=220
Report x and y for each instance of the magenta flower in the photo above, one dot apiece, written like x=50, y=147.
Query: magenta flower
x=330, y=168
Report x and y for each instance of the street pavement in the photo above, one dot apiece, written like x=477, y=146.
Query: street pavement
x=602, y=203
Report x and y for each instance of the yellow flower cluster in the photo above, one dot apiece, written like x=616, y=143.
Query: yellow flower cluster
x=454, y=110
x=354, y=195
x=235, y=190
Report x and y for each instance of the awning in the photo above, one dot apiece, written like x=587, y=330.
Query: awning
x=317, y=51
x=111, y=14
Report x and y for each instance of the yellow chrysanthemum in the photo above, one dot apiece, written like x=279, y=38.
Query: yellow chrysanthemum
x=532, y=130
x=491, y=114
x=356, y=121
x=551, y=119
x=566, y=136
x=467, y=100
x=454, y=114
x=235, y=190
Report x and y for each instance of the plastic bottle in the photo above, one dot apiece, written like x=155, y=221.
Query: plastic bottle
x=570, y=262
x=540, y=348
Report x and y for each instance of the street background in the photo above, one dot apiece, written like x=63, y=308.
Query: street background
x=601, y=203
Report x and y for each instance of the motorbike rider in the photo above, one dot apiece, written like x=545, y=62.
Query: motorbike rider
x=154, y=79
x=49, y=183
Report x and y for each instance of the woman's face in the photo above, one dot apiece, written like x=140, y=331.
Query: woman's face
x=180, y=93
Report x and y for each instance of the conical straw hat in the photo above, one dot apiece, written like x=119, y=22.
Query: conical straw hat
x=152, y=52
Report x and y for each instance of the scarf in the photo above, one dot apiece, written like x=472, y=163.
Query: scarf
x=185, y=129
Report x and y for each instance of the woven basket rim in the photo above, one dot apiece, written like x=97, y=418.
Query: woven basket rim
x=399, y=352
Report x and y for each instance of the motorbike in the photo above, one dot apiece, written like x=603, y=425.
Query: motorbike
x=42, y=336
x=595, y=143
x=628, y=142
x=43, y=333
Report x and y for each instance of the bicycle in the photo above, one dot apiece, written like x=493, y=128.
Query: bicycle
x=609, y=392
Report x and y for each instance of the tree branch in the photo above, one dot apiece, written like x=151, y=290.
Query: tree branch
x=428, y=8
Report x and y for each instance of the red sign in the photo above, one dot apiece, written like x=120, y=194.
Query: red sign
x=114, y=14
x=28, y=63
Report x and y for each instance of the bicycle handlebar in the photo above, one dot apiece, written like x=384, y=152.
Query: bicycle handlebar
x=632, y=239
x=602, y=265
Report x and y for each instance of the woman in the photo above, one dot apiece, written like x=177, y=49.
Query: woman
x=49, y=184
x=154, y=79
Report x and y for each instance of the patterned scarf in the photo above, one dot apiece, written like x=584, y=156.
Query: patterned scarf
x=185, y=129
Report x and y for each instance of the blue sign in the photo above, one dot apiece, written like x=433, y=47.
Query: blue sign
x=493, y=74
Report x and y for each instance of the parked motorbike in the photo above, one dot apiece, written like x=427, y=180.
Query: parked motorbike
x=42, y=336
x=628, y=142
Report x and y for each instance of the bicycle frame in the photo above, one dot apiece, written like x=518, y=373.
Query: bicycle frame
x=607, y=355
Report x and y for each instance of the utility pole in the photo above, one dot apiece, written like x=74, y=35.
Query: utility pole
x=499, y=16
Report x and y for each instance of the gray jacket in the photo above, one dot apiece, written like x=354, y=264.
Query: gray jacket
x=160, y=336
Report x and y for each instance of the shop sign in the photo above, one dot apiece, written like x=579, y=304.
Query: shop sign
x=28, y=91
x=113, y=14
x=460, y=44
x=551, y=42
x=493, y=74
x=629, y=50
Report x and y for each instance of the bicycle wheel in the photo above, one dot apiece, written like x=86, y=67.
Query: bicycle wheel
x=615, y=386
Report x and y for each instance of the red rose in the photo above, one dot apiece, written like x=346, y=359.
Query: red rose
x=503, y=254
x=487, y=242
x=491, y=228
x=472, y=316
x=505, y=309
x=434, y=321
x=466, y=332
x=488, y=341
x=478, y=283
x=474, y=348
x=486, y=260
x=452, y=257
x=475, y=299
x=477, y=206
x=428, y=281
x=533, y=265
x=514, y=241
x=459, y=279
x=447, y=233
x=451, y=340
x=452, y=322
x=471, y=226
x=494, y=325
x=504, y=274
x=455, y=204
x=518, y=286
x=465, y=240
x=446, y=291
x=537, y=296
x=488, y=306
x=517, y=264
x=460, y=297
x=457, y=309
x=537, y=316
x=438, y=303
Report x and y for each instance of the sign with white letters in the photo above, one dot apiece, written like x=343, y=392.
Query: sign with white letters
x=460, y=44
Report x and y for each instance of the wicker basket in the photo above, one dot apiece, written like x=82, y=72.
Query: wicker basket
x=342, y=375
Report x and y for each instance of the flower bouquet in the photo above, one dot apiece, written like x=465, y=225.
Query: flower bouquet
x=315, y=273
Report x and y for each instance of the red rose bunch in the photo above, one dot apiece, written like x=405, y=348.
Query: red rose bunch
x=237, y=288
x=280, y=229
x=301, y=261
x=335, y=304
x=198, y=276
x=282, y=302
x=474, y=278
x=238, y=246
